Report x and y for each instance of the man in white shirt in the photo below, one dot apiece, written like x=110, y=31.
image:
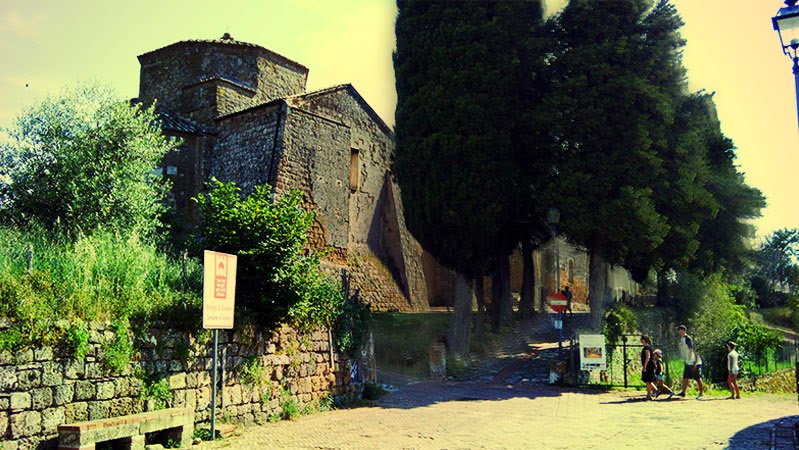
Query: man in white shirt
x=693, y=362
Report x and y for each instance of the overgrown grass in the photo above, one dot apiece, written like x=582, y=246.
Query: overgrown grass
x=104, y=277
x=402, y=341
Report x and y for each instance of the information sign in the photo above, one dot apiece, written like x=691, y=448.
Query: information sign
x=592, y=352
x=219, y=290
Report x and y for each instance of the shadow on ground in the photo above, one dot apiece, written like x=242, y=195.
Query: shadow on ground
x=774, y=434
x=428, y=393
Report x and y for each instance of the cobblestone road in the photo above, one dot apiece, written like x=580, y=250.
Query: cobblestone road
x=503, y=408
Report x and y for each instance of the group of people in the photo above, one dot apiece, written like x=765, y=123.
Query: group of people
x=653, y=373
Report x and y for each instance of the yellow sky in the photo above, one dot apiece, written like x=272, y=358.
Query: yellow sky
x=732, y=50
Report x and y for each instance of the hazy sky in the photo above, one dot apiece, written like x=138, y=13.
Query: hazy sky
x=732, y=50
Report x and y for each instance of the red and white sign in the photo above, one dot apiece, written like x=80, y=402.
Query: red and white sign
x=219, y=290
x=557, y=302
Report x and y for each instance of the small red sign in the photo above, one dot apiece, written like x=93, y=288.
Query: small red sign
x=557, y=302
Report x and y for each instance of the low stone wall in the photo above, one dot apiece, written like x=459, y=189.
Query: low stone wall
x=259, y=373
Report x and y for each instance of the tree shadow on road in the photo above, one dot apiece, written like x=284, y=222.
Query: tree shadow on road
x=431, y=392
x=777, y=433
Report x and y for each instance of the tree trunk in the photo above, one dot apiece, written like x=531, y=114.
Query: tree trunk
x=598, y=293
x=461, y=319
x=527, y=296
x=500, y=294
x=480, y=321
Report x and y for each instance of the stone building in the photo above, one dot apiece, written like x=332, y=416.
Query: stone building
x=244, y=115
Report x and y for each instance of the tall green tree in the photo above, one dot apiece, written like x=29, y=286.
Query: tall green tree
x=458, y=66
x=610, y=121
x=776, y=260
x=81, y=160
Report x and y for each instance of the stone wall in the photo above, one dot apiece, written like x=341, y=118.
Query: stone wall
x=248, y=147
x=316, y=161
x=204, y=79
x=45, y=387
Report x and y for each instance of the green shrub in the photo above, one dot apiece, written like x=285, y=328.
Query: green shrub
x=119, y=352
x=157, y=390
x=102, y=277
x=620, y=319
x=78, y=339
x=372, y=391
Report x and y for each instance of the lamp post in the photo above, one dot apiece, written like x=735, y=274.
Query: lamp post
x=786, y=22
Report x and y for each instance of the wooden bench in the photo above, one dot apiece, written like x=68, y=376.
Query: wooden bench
x=128, y=431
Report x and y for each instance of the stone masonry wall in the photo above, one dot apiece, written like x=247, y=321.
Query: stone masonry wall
x=170, y=74
x=316, y=161
x=246, y=150
x=44, y=387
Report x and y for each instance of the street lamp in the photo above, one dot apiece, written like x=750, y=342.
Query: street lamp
x=786, y=22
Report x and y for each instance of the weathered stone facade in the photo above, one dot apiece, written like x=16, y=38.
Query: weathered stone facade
x=244, y=116
x=45, y=387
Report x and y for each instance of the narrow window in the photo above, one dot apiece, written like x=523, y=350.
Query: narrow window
x=355, y=169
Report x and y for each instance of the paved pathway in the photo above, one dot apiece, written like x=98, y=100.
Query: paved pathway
x=503, y=408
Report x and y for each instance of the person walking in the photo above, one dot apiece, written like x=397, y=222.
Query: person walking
x=693, y=362
x=660, y=374
x=732, y=370
x=648, y=367
x=568, y=294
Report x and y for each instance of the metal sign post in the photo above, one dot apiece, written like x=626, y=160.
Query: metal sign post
x=219, y=300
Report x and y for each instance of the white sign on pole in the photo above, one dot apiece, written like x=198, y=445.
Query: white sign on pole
x=592, y=352
x=219, y=290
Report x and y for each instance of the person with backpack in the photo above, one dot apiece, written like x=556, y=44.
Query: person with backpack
x=693, y=362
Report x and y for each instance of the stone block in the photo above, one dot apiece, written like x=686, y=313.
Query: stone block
x=51, y=419
x=8, y=378
x=74, y=369
x=94, y=370
x=51, y=374
x=24, y=357
x=42, y=398
x=84, y=390
x=76, y=412
x=6, y=358
x=121, y=406
x=64, y=394
x=105, y=390
x=29, y=379
x=99, y=410
x=43, y=354
x=26, y=423
x=203, y=397
x=177, y=381
x=20, y=400
x=121, y=387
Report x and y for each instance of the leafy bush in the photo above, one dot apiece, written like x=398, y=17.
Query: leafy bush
x=119, y=353
x=81, y=160
x=157, y=390
x=278, y=277
x=620, y=319
x=78, y=339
